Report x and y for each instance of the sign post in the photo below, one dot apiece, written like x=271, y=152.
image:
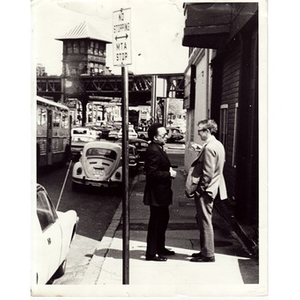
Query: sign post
x=122, y=57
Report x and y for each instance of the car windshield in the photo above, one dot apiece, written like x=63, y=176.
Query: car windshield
x=101, y=152
x=84, y=139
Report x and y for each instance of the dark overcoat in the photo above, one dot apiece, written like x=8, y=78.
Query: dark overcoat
x=158, y=190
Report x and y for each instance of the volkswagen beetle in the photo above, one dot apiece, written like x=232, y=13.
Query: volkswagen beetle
x=100, y=164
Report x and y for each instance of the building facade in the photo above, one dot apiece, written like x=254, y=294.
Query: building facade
x=222, y=84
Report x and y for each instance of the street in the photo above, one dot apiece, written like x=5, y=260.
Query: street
x=95, y=208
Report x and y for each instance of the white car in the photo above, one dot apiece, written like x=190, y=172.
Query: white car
x=77, y=143
x=113, y=134
x=84, y=131
x=53, y=234
x=99, y=165
x=131, y=133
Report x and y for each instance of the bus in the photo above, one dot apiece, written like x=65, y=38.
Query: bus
x=53, y=132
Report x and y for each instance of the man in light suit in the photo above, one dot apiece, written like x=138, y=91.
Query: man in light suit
x=158, y=193
x=208, y=176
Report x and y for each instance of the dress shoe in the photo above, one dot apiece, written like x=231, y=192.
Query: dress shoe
x=156, y=258
x=166, y=252
x=203, y=259
x=197, y=254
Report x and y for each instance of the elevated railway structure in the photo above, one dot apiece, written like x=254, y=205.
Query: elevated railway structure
x=108, y=87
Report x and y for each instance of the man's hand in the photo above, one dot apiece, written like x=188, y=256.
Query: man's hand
x=172, y=173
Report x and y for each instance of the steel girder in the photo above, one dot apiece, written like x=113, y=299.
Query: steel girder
x=140, y=86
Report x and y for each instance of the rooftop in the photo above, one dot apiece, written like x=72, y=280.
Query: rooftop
x=84, y=31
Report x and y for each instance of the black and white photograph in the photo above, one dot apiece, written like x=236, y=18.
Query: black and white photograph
x=149, y=148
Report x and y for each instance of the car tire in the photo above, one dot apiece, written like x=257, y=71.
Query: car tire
x=61, y=270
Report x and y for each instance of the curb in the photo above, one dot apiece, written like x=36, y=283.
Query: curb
x=95, y=265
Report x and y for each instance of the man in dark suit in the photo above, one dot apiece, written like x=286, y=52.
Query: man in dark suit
x=158, y=193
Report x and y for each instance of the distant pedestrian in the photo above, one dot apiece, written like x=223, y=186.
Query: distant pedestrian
x=207, y=181
x=158, y=193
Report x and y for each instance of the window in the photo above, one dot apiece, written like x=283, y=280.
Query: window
x=64, y=120
x=45, y=211
x=223, y=124
x=82, y=47
x=76, y=47
x=41, y=117
x=101, y=152
x=56, y=119
x=234, y=135
x=69, y=47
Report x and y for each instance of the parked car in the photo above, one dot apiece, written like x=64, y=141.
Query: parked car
x=133, y=156
x=96, y=131
x=131, y=133
x=53, y=233
x=141, y=147
x=84, y=131
x=99, y=165
x=105, y=130
x=77, y=144
x=143, y=135
x=174, y=134
x=113, y=134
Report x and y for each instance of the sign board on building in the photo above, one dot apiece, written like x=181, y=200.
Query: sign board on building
x=122, y=37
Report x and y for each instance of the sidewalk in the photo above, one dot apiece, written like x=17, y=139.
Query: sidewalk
x=233, y=267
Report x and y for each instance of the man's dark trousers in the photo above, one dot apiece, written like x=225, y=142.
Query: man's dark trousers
x=158, y=223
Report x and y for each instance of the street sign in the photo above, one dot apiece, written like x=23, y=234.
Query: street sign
x=122, y=37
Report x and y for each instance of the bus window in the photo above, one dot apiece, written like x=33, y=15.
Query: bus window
x=41, y=116
x=56, y=119
x=65, y=121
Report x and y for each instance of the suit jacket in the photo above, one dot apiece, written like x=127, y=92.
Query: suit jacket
x=208, y=169
x=158, y=190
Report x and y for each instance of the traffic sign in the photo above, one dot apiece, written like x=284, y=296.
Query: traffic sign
x=122, y=37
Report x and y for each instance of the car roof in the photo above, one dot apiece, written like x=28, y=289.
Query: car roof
x=137, y=140
x=133, y=140
x=102, y=144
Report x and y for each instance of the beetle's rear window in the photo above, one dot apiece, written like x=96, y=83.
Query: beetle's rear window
x=101, y=152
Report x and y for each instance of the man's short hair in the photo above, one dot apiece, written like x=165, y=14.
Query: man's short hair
x=209, y=124
x=152, y=131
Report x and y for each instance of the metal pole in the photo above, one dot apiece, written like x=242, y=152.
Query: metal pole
x=153, y=99
x=63, y=186
x=166, y=111
x=125, y=204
